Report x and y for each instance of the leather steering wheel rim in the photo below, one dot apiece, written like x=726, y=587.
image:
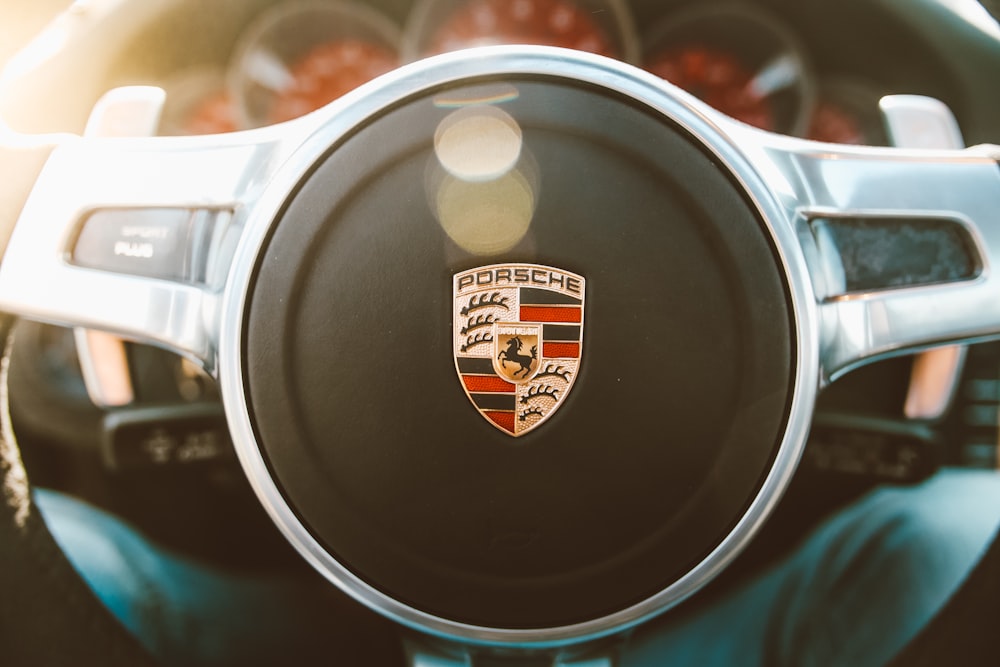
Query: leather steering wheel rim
x=36, y=578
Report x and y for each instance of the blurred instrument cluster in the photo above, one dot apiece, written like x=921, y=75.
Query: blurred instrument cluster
x=296, y=57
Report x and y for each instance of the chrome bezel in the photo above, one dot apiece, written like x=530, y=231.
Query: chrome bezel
x=339, y=120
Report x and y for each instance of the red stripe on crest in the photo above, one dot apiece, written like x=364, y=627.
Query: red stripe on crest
x=504, y=420
x=487, y=384
x=550, y=314
x=561, y=350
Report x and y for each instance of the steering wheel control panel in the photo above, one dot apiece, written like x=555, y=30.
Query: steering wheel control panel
x=155, y=243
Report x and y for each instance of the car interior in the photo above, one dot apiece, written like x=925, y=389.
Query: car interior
x=142, y=427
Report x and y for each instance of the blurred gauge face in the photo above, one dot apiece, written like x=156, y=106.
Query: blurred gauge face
x=744, y=65
x=198, y=102
x=847, y=112
x=743, y=61
x=215, y=114
x=832, y=123
x=328, y=71
x=292, y=59
x=544, y=22
x=718, y=78
x=324, y=73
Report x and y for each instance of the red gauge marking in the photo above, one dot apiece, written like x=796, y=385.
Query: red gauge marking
x=213, y=115
x=543, y=22
x=832, y=123
x=716, y=77
x=328, y=71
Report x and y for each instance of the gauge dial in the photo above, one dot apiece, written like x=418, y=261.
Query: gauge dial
x=846, y=112
x=717, y=77
x=326, y=72
x=597, y=26
x=546, y=22
x=744, y=63
x=298, y=57
x=214, y=114
x=198, y=102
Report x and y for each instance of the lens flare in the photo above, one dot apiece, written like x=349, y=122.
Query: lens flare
x=478, y=143
x=486, y=218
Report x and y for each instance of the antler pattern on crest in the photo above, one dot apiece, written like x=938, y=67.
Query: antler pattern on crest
x=472, y=341
x=551, y=370
x=540, y=392
x=485, y=300
x=529, y=412
x=478, y=322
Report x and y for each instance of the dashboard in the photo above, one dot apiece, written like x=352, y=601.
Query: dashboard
x=805, y=68
x=747, y=60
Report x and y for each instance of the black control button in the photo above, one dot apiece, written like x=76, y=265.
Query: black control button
x=879, y=449
x=150, y=242
x=171, y=436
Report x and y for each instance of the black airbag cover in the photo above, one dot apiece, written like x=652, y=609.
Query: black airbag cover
x=671, y=426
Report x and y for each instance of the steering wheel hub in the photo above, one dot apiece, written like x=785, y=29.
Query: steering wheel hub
x=436, y=230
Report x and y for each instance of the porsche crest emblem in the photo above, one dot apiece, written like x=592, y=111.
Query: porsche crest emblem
x=518, y=337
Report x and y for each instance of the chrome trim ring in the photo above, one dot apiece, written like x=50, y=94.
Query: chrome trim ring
x=708, y=127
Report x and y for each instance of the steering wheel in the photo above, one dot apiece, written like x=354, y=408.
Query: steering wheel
x=518, y=346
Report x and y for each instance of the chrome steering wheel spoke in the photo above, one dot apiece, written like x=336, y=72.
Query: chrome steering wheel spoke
x=150, y=224
x=880, y=301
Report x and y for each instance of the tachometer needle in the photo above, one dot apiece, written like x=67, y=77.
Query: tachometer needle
x=777, y=74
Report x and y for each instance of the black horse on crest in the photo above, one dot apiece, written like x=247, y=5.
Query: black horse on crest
x=513, y=354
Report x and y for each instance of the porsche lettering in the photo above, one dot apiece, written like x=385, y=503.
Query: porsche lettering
x=518, y=275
